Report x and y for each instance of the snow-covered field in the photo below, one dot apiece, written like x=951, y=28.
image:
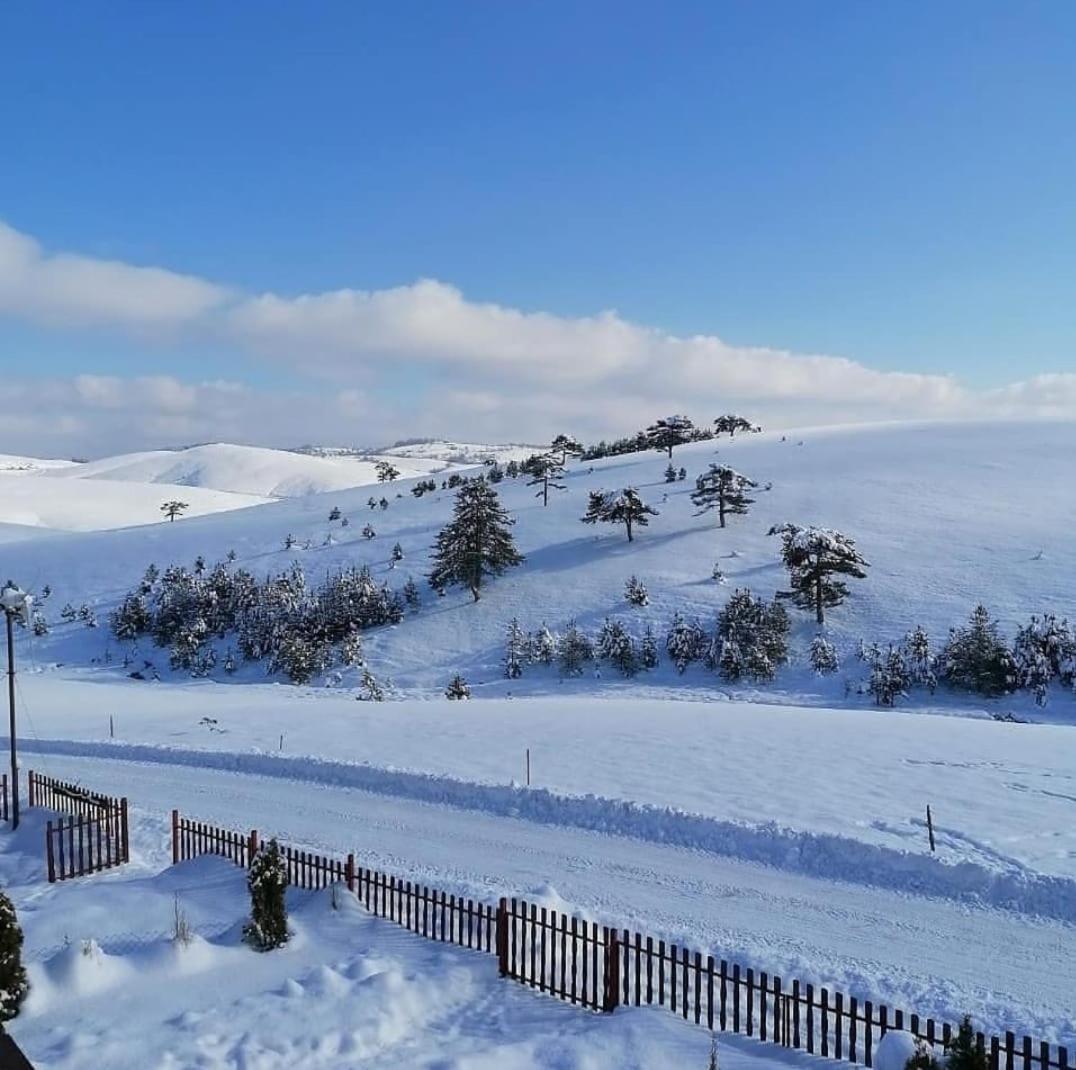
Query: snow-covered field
x=782, y=824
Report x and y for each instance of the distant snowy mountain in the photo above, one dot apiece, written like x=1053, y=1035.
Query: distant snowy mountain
x=460, y=453
x=10, y=463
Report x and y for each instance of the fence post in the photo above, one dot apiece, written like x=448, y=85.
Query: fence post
x=29, y=788
x=502, y=937
x=124, y=843
x=612, y=973
x=349, y=872
x=49, y=854
x=253, y=845
x=175, y=837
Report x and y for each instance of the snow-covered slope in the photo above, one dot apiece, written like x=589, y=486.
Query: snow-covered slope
x=9, y=463
x=242, y=470
x=461, y=452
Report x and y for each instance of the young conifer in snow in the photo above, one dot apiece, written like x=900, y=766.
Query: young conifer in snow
x=1045, y=650
x=575, y=650
x=457, y=689
x=368, y=532
x=334, y=513
x=648, y=649
x=964, y=1052
x=976, y=658
x=13, y=983
x=411, y=595
x=919, y=659
x=267, y=880
x=68, y=614
x=625, y=508
x=636, y=593
x=813, y=557
x=823, y=656
x=476, y=543
x=515, y=650
x=890, y=678
x=724, y=489
x=397, y=552
x=670, y=473
x=669, y=432
x=685, y=642
x=617, y=647
x=369, y=688
x=543, y=646
x=753, y=637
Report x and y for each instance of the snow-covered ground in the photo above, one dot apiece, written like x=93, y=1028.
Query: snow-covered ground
x=782, y=824
x=110, y=987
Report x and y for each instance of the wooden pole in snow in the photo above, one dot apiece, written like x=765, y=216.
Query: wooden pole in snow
x=528, y=767
x=930, y=829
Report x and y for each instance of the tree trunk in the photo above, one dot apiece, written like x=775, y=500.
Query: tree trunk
x=670, y=451
x=545, y=492
x=721, y=508
x=628, y=522
x=474, y=591
x=819, y=616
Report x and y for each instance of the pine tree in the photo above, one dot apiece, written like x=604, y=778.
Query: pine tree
x=476, y=543
x=368, y=532
x=617, y=647
x=173, y=509
x=544, y=646
x=457, y=689
x=890, y=677
x=919, y=659
x=411, y=594
x=575, y=650
x=648, y=649
x=334, y=513
x=964, y=1052
x=669, y=432
x=670, y=473
x=685, y=642
x=546, y=471
x=1045, y=650
x=625, y=508
x=564, y=446
x=397, y=552
x=267, y=880
x=724, y=489
x=13, y=983
x=369, y=689
x=752, y=638
x=515, y=650
x=730, y=423
x=977, y=659
x=386, y=471
x=823, y=656
x=813, y=556
x=636, y=592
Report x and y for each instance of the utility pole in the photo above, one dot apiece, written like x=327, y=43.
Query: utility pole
x=14, y=602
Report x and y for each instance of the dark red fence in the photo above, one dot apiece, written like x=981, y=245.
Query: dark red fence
x=91, y=834
x=602, y=968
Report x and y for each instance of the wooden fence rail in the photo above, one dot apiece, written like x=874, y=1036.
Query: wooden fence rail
x=602, y=968
x=90, y=835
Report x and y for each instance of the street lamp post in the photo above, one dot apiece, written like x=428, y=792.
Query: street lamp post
x=15, y=603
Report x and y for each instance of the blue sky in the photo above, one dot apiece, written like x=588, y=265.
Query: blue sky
x=891, y=184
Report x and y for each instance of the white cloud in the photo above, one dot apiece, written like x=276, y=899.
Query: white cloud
x=68, y=290
x=496, y=372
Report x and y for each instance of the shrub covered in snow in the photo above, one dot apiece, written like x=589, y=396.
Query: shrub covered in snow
x=823, y=656
x=13, y=982
x=267, y=880
x=636, y=593
x=457, y=688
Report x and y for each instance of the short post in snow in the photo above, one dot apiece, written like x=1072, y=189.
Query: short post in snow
x=528, y=767
x=930, y=829
x=175, y=837
x=502, y=937
x=252, y=845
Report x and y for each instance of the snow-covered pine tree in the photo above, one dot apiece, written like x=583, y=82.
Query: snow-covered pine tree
x=68, y=614
x=685, y=643
x=648, y=649
x=724, y=489
x=411, y=594
x=368, y=532
x=543, y=645
x=753, y=637
x=334, y=513
x=476, y=543
x=636, y=592
x=289, y=541
x=383, y=503
x=730, y=423
x=458, y=689
x=351, y=649
x=682, y=474
x=617, y=647
x=397, y=552
x=669, y=432
x=625, y=508
x=564, y=446
x=964, y=1052
x=546, y=471
x=515, y=650
x=39, y=625
x=890, y=677
x=1045, y=650
x=813, y=557
x=976, y=658
x=386, y=471
x=369, y=688
x=823, y=656
x=13, y=983
x=575, y=650
x=919, y=659
x=670, y=473
x=511, y=469
x=267, y=880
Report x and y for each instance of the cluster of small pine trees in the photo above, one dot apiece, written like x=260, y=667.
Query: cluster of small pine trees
x=572, y=650
x=299, y=630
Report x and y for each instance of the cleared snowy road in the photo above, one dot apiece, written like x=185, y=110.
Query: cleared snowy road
x=939, y=957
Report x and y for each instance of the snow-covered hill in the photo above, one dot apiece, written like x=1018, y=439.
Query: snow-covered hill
x=460, y=453
x=242, y=470
x=9, y=463
x=948, y=515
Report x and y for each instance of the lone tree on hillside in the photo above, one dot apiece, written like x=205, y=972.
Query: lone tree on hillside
x=730, y=423
x=813, y=557
x=174, y=509
x=546, y=471
x=625, y=508
x=669, y=432
x=477, y=542
x=386, y=471
x=724, y=489
x=565, y=446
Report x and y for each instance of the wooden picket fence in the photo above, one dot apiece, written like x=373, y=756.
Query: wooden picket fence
x=91, y=833
x=602, y=968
